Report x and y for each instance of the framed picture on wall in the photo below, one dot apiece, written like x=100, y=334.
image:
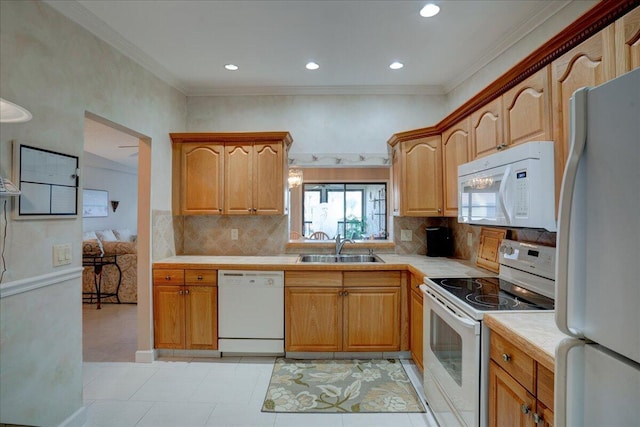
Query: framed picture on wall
x=95, y=203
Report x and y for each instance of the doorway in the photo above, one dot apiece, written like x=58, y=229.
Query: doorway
x=111, y=168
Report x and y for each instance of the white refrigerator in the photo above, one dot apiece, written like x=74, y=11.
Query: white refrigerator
x=597, y=372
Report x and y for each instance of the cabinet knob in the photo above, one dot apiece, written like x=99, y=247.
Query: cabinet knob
x=537, y=418
x=249, y=210
x=220, y=210
x=346, y=293
x=506, y=357
x=186, y=292
x=525, y=408
x=199, y=277
x=167, y=277
x=340, y=293
x=180, y=292
x=439, y=210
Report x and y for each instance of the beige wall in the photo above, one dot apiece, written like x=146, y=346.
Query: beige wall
x=59, y=71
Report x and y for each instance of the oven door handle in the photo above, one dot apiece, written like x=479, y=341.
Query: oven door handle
x=449, y=310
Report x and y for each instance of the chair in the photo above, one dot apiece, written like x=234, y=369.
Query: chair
x=319, y=235
x=294, y=235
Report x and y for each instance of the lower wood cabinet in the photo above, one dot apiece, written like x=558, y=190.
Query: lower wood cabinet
x=416, y=328
x=361, y=314
x=520, y=389
x=185, y=307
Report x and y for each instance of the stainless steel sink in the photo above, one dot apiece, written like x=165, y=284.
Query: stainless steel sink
x=325, y=258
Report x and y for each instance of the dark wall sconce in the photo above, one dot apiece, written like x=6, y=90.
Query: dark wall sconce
x=114, y=205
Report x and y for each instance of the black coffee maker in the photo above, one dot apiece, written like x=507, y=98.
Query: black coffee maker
x=439, y=241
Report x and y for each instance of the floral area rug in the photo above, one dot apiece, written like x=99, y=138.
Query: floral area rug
x=340, y=386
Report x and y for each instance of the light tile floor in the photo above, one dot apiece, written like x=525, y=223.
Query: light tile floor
x=208, y=392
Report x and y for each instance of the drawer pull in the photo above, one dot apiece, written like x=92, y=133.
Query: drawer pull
x=506, y=357
x=537, y=418
x=525, y=409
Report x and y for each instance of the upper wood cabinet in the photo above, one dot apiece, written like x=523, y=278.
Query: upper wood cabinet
x=417, y=176
x=627, y=42
x=589, y=64
x=486, y=130
x=231, y=174
x=456, y=151
x=201, y=178
x=527, y=110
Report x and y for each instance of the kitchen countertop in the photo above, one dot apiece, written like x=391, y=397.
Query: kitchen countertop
x=534, y=333
x=417, y=264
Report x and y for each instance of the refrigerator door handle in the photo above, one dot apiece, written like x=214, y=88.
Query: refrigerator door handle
x=560, y=381
x=502, y=193
x=578, y=141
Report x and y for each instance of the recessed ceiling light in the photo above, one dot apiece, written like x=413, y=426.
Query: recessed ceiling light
x=429, y=10
x=312, y=66
x=396, y=65
x=231, y=67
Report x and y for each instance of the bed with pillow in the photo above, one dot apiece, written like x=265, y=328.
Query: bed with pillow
x=104, y=243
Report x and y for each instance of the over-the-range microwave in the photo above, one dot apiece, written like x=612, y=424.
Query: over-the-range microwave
x=512, y=188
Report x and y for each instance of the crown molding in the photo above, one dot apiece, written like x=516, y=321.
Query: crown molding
x=322, y=90
x=89, y=21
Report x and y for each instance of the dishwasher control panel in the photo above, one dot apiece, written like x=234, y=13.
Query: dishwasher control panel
x=251, y=278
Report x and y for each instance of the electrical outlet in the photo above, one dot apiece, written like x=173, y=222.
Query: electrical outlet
x=469, y=239
x=61, y=254
x=234, y=234
x=406, y=235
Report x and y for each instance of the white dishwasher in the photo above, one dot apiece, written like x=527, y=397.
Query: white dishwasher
x=250, y=311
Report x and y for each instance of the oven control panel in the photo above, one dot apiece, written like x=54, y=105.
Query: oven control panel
x=530, y=257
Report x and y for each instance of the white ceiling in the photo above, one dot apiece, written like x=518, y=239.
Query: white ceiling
x=187, y=43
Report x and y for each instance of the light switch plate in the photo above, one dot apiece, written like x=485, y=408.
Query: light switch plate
x=406, y=235
x=61, y=254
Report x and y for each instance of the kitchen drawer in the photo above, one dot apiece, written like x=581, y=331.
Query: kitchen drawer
x=371, y=278
x=168, y=277
x=518, y=364
x=201, y=277
x=545, y=386
x=313, y=278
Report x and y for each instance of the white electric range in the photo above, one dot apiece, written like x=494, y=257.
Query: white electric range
x=456, y=344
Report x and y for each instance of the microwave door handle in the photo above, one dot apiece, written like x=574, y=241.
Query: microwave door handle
x=502, y=194
x=578, y=140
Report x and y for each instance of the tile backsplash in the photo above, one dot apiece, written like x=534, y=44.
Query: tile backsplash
x=268, y=235
x=461, y=231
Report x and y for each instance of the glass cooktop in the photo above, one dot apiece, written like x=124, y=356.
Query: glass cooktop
x=494, y=294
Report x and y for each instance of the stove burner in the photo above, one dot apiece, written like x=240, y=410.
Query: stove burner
x=493, y=300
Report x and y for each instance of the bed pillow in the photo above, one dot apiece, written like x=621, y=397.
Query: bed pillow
x=89, y=235
x=123, y=235
x=106, y=236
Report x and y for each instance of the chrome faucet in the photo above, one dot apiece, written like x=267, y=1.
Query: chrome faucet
x=340, y=243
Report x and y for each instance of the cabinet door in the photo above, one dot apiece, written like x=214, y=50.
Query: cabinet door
x=417, y=328
x=372, y=319
x=509, y=403
x=486, y=129
x=589, y=64
x=201, y=319
x=168, y=316
x=627, y=42
x=396, y=177
x=455, y=152
x=201, y=178
x=238, y=187
x=421, y=193
x=543, y=416
x=527, y=110
x=313, y=319
x=268, y=183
